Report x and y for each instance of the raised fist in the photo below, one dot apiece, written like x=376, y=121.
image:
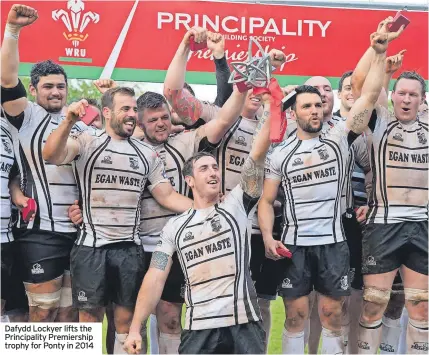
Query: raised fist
x=21, y=15
x=277, y=57
x=216, y=43
x=379, y=42
x=103, y=85
x=76, y=110
x=199, y=33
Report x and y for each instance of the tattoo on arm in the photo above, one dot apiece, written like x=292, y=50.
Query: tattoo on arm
x=357, y=121
x=159, y=260
x=261, y=122
x=188, y=107
x=252, y=177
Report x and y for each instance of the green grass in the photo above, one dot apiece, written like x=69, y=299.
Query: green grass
x=277, y=321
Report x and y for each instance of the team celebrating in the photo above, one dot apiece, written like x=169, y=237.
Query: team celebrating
x=165, y=202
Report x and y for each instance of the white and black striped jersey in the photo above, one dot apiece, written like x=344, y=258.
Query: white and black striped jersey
x=312, y=173
x=213, y=246
x=399, y=162
x=111, y=176
x=6, y=164
x=173, y=153
x=53, y=187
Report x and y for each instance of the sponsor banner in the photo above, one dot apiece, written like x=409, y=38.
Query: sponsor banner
x=83, y=35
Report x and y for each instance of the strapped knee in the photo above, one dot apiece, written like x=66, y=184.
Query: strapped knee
x=376, y=295
x=415, y=294
x=44, y=300
x=66, y=297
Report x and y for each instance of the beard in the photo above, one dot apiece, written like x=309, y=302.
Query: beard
x=307, y=127
x=117, y=126
x=151, y=138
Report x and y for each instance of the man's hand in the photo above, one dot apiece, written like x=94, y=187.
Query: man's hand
x=288, y=89
x=21, y=15
x=394, y=62
x=383, y=27
x=199, y=33
x=133, y=344
x=75, y=214
x=103, y=85
x=20, y=201
x=379, y=42
x=271, y=247
x=216, y=43
x=361, y=213
x=277, y=57
x=177, y=128
x=76, y=110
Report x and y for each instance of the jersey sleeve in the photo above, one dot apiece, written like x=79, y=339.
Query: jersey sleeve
x=237, y=199
x=272, y=166
x=378, y=116
x=166, y=244
x=361, y=153
x=210, y=111
x=82, y=139
x=156, y=172
x=341, y=135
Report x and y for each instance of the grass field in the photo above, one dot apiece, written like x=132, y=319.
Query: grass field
x=277, y=318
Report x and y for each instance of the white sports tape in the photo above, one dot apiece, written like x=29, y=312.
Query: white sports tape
x=415, y=294
x=375, y=295
x=66, y=297
x=44, y=300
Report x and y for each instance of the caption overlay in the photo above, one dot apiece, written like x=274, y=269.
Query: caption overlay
x=77, y=338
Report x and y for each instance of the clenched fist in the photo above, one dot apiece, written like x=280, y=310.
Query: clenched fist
x=216, y=43
x=76, y=110
x=21, y=15
x=277, y=58
x=199, y=33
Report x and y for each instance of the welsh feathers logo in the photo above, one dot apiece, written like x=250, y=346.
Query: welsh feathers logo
x=76, y=21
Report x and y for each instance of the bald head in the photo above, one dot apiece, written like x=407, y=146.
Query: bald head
x=325, y=88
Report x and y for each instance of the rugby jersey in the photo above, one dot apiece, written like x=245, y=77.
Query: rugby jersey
x=173, y=154
x=6, y=163
x=111, y=176
x=312, y=174
x=53, y=187
x=213, y=246
x=399, y=162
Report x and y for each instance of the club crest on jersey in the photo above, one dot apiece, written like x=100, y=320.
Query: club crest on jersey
x=421, y=137
x=423, y=346
x=241, y=141
x=344, y=283
x=286, y=283
x=363, y=345
x=37, y=269
x=6, y=146
x=134, y=163
x=107, y=160
x=387, y=348
x=297, y=161
x=216, y=225
x=398, y=137
x=188, y=236
x=323, y=153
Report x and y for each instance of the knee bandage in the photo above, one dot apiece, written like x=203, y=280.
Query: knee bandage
x=66, y=297
x=376, y=295
x=415, y=294
x=44, y=300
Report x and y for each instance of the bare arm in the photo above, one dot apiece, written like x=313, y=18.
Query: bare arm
x=18, y=17
x=252, y=175
x=224, y=89
x=393, y=64
x=168, y=198
x=361, y=110
x=59, y=148
x=215, y=130
x=148, y=297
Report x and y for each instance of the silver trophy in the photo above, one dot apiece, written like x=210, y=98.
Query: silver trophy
x=255, y=72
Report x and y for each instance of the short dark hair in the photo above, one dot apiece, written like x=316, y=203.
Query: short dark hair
x=45, y=68
x=188, y=87
x=343, y=77
x=412, y=75
x=304, y=89
x=109, y=95
x=92, y=102
x=188, y=167
x=151, y=100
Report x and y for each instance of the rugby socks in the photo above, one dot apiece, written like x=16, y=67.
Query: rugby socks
x=153, y=334
x=402, y=346
x=169, y=343
x=354, y=310
x=332, y=342
x=391, y=331
x=119, y=343
x=417, y=337
x=292, y=343
x=369, y=337
x=264, y=306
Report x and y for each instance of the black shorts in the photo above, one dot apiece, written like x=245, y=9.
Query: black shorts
x=43, y=255
x=388, y=246
x=246, y=338
x=112, y=273
x=353, y=232
x=324, y=268
x=174, y=288
x=266, y=273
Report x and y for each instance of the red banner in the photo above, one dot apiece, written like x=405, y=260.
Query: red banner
x=317, y=41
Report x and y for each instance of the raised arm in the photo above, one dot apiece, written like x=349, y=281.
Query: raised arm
x=252, y=174
x=148, y=297
x=60, y=148
x=361, y=110
x=393, y=64
x=168, y=198
x=12, y=90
